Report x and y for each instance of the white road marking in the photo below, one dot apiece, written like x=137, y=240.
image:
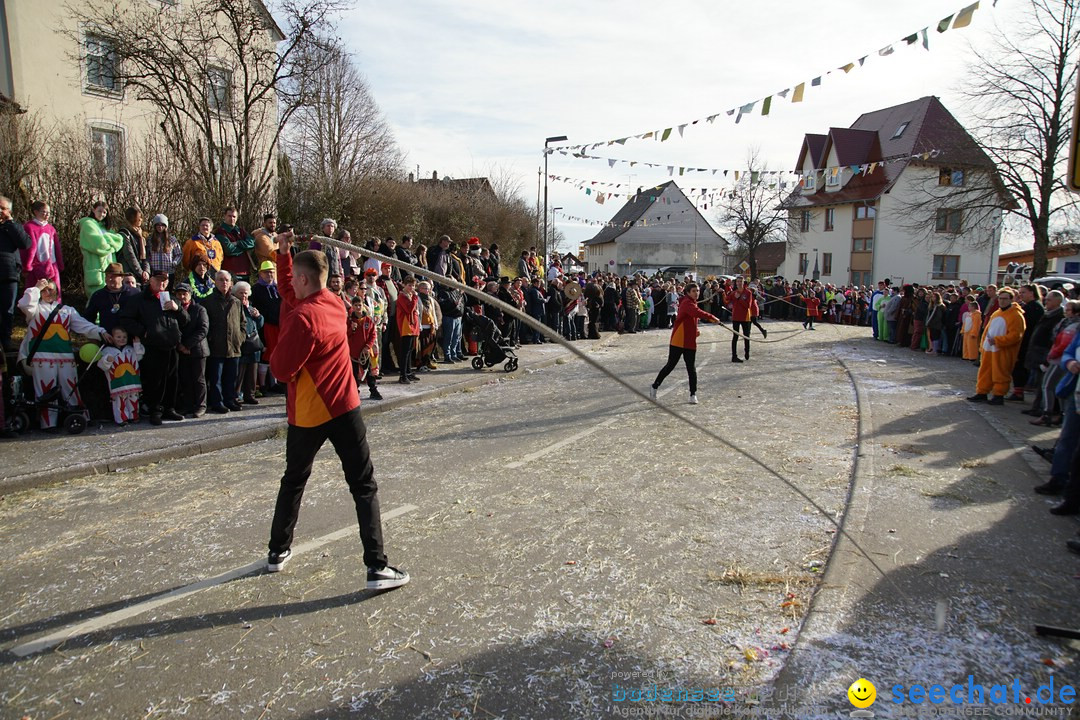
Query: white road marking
x=585, y=433
x=559, y=445
x=117, y=616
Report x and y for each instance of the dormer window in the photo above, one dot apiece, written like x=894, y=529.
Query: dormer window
x=832, y=177
x=809, y=181
x=900, y=130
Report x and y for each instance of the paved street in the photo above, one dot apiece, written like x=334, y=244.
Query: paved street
x=563, y=536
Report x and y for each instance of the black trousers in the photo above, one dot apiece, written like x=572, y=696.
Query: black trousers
x=406, y=350
x=674, y=353
x=743, y=329
x=192, y=384
x=9, y=295
x=349, y=437
x=159, y=369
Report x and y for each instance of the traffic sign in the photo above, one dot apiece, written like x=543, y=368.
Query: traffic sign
x=744, y=266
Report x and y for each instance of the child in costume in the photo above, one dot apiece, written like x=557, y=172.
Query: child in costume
x=99, y=247
x=363, y=344
x=972, y=325
x=812, y=303
x=44, y=260
x=121, y=367
x=47, y=345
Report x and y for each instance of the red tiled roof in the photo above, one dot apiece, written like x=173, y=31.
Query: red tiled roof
x=769, y=256
x=929, y=127
x=853, y=147
x=814, y=144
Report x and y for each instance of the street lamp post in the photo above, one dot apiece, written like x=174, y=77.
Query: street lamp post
x=553, y=248
x=556, y=138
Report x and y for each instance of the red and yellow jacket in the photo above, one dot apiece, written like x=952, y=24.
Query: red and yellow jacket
x=408, y=314
x=740, y=302
x=312, y=354
x=685, y=332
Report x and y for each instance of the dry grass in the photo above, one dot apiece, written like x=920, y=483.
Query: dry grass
x=904, y=470
x=974, y=463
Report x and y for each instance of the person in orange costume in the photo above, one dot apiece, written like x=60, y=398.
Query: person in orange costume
x=1000, y=344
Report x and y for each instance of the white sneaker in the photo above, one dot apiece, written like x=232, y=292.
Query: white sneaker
x=693, y=399
x=386, y=578
x=652, y=393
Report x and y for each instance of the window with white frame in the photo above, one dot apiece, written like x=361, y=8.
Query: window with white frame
x=810, y=180
x=102, y=65
x=832, y=177
x=219, y=89
x=106, y=150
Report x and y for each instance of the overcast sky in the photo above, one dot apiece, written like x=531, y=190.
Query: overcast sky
x=472, y=87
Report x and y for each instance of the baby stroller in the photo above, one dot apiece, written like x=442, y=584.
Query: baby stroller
x=493, y=348
x=73, y=418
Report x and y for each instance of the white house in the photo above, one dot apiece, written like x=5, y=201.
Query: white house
x=889, y=197
x=658, y=227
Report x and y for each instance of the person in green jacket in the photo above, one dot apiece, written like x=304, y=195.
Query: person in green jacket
x=99, y=247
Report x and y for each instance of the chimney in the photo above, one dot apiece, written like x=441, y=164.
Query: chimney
x=412, y=178
x=434, y=174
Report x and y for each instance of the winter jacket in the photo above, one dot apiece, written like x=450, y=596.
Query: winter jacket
x=685, y=332
x=99, y=248
x=312, y=354
x=226, y=315
x=132, y=253
x=13, y=238
x=193, y=335
x=267, y=300
x=143, y=317
x=1042, y=338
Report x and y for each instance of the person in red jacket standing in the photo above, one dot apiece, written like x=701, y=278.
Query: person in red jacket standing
x=740, y=298
x=813, y=303
x=684, y=340
x=322, y=401
x=407, y=313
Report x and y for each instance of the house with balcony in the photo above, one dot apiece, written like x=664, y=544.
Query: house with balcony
x=900, y=194
x=657, y=227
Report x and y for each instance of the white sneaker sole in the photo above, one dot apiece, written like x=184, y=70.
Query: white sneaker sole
x=276, y=567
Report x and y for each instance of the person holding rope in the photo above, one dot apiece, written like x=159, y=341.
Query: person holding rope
x=313, y=358
x=683, y=342
x=740, y=298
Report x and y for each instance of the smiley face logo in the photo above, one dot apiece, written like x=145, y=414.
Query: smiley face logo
x=862, y=693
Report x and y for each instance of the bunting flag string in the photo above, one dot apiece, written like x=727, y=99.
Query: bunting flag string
x=642, y=222
x=955, y=21
x=734, y=174
x=602, y=190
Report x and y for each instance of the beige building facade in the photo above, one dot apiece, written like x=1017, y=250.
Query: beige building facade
x=48, y=74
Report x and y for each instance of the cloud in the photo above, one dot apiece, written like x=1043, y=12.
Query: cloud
x=470, y=84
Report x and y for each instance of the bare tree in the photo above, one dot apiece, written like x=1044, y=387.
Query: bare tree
x=338, y=137
x=755, y=211
x=1021, y=94
x=222, y=78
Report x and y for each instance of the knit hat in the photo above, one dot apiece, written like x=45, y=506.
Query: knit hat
x=160, y=219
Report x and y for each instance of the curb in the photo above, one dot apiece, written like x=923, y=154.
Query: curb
x=264, y=431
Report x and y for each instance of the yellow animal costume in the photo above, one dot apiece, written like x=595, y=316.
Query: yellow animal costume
x=1000, y=345
x=972, y=325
